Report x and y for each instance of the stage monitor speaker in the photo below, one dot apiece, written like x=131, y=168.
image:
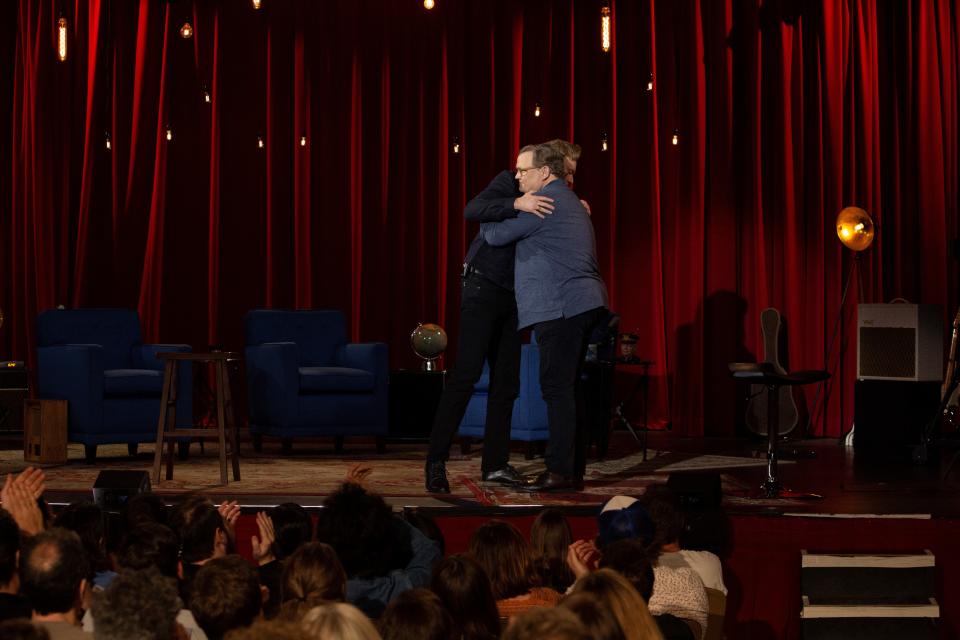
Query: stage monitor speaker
x=900, y=342
x=113, y=488
x=890, y=417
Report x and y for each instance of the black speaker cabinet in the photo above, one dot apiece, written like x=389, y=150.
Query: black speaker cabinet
x=889, y=417
x=113, y=488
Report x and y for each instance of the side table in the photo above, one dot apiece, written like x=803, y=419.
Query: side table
x=167, y=425
x=414, y=396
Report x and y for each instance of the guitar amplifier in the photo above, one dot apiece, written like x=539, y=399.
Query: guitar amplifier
x=13, y=391
x=900, y=342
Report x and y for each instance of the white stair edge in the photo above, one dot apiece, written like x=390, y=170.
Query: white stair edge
x=811, y=611
x=867, y=561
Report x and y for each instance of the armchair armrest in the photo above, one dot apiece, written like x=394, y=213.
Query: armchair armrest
x=74, y=372
x=273, y=380
x=144, y=356
x=372, y=357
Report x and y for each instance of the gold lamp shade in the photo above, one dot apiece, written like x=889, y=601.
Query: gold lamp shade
x=855, y=228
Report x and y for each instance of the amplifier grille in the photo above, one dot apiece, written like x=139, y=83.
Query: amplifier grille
x=888, y=352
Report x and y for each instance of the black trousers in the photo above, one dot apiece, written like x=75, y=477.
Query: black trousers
x=563, y=346
x=488, y=331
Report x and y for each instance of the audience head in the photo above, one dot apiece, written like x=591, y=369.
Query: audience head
x=86, y=519
x=631, y=560
x=546, y=623
x=596, y=617
x=19, y=629
x=416, y=614
x=225, y=595
x=9, y=548
x=150, y=544
x=138, y=605
x=271, y=630
x=53, y=571
x=571, y=156
x=624, y=603
x=506, y=558
x=667, y=516
x=361, y=528
x=623, y=517
x=339, y=621
x=549, y=538
x=311, y=576
x=293, y=527
x=464, y=588
x=200, y=527
x=145, y=507
x=427, y=526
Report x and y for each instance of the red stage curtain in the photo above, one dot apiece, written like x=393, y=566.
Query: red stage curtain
x=786, y=111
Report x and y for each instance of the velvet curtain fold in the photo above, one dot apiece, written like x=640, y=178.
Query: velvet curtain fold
x=322, y=172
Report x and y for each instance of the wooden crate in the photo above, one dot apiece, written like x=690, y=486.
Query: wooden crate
x=45, y=431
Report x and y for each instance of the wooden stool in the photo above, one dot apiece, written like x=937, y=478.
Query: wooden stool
x=167, y=425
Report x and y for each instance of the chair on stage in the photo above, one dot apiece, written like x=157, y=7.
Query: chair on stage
x=305, y=379
x=94, y=359
x=528, y=422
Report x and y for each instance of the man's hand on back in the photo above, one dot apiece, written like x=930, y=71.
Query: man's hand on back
x=540, y=206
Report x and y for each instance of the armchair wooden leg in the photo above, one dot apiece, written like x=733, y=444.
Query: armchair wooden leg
x=338, y=444
x=286, y=446
x=90, y=453
x=381, y=444
x=132, y=449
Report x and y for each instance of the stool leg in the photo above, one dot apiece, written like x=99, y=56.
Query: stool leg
x=221, y=427
x=771, y=487
x=231, y=424
x=162, y=421
x=171, y=425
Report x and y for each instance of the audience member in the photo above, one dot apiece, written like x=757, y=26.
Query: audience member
x=54, y=573
x=596, y=617
x=270, y=630
x=382, y=555
x=22, y=497
x=465, y=590
x=86, y=519
x=668, y=519
x=311, y=576
x=417, y=614
x=427, y=527
x=22, y=630
x=203, y=536
x=138, y=605
x=554, y=623
x=225, y=595
x=338, y=621
x=624, y=603
x=507, y=559
x=550, y=538
x=145, y=507
x=12, y=604
x=282, y=532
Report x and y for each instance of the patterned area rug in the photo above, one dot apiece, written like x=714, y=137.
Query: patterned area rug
x=397, y=473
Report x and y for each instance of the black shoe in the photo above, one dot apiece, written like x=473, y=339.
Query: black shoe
x=550, y=481
x=504, y=475
x=435, y=474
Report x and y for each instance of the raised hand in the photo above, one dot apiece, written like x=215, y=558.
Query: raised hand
x=20, y=503
x=263, y=545
x=358, y=474
x=230, y=512
x=582, y=557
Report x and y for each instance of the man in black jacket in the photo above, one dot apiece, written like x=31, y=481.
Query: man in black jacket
x=488, y=331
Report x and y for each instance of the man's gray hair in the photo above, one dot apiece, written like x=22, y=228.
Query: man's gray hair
x=546, y=155
x=138, y=605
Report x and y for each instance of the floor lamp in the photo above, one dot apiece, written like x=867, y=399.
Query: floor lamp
x=856, y=230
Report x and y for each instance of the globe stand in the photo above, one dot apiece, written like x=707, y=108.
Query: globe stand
x=430, y=364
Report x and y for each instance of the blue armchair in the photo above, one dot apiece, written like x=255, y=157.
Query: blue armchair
x=529, y=420
x=305, y=379
x=94, y=359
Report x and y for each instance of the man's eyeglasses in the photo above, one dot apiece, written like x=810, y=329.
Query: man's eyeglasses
x=523, y=172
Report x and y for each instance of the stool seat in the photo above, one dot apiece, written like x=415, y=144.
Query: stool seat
x=167, y=430
x=766, y=373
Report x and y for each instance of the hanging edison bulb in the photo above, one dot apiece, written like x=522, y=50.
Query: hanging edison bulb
x=536, y=110
x=429, y=4
x=675, y=140
x=605, y=28
x=650, y=83
x=62, y=39
x=206, y=94
x=456, y=144
x=106, y=141
x=303, y=139
x=260, y=143
x=186, y=31
x=169, y=133
x=256, y=4
x=604, y=146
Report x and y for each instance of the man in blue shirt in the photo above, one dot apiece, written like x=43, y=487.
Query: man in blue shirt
x=559, y=294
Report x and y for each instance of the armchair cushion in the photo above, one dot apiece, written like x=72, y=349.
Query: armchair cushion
x=335, y=380
x=317, y=334
x=132, y=382
x=115, y=330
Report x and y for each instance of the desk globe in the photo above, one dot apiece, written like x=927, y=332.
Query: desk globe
x=428, y=341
